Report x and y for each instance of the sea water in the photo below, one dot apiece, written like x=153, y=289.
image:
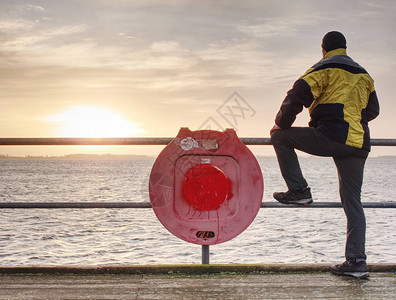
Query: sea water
x=135, y=236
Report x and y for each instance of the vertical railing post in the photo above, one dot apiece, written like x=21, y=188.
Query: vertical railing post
x=205, y=254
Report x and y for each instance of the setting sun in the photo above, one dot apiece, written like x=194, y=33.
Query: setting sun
x=87, y=121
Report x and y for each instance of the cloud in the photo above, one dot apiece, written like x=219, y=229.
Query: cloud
x=198, y=49
x=15, y=26
x=179, y=55
x=29, y=7
x=64, y=30
x=270, y=27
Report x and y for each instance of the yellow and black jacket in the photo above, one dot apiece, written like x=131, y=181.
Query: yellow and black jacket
x=340, y=98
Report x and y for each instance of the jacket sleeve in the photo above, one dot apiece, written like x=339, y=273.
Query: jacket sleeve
x=372, y=109
x=298, y=97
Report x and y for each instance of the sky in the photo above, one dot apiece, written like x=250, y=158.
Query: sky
x=146, y=68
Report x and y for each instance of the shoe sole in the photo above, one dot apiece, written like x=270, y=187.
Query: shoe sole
x=298, y=202
x=358, y=275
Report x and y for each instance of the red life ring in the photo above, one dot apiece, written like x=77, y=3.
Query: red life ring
x=206, y=186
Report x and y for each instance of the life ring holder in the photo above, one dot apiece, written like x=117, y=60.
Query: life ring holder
x=206, y=186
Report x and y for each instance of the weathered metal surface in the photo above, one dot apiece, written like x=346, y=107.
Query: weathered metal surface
x=136, y=141
x=58, y=205
x=82, y=141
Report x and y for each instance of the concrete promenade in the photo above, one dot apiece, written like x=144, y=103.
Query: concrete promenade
x=270, y=281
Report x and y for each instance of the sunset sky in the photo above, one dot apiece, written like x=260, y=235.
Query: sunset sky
x=147, y=68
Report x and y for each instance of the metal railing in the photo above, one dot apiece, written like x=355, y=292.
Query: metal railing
x=135, y=141
x=82, y=205
x=153, y=141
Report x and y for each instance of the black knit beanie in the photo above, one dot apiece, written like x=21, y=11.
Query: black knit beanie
x=333, y=40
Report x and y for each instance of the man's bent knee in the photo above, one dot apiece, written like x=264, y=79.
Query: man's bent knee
x=276, y=136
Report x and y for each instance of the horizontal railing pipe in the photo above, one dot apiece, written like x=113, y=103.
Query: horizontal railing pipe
x=78, y=205
x=135, y=141
x=57, y=205
x=82, y=141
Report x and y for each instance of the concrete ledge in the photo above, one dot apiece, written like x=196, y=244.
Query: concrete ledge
x=184, y=269
x=286, y=284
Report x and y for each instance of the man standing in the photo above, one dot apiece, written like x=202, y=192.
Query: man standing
x=341, y=100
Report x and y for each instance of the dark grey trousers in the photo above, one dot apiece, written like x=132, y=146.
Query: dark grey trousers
x=350, y=165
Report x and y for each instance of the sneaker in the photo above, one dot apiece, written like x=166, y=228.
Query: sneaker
x=351, y=268
x=300, y=197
